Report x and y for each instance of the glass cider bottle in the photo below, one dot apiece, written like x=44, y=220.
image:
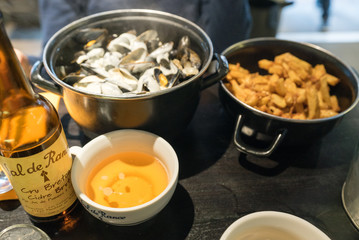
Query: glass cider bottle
x=33, y=148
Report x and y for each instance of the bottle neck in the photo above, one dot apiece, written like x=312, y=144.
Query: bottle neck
x=13, y=82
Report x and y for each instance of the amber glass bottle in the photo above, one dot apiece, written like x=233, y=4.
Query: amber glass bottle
x=33, y=148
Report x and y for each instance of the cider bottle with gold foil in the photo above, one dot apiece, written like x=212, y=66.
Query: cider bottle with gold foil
x=33, y=148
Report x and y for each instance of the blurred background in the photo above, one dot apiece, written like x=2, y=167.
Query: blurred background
x=298, y=20
x=22, y=24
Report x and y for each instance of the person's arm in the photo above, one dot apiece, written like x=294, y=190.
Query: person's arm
x=55, y=14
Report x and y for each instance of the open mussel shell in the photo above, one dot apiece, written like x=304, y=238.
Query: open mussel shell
x=91, y=38
x=71, y=79
x=148, y=36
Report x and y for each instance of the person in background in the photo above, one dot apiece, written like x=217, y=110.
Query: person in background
x=324, y=6
x=226, y=22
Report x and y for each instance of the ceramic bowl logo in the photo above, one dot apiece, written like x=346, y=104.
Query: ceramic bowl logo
x=103, y=216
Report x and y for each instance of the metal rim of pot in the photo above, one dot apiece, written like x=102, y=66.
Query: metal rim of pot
x=281, y=133
x=219, y=62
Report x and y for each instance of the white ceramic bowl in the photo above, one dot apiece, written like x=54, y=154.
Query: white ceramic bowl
x=298, y=227
x=108, y=144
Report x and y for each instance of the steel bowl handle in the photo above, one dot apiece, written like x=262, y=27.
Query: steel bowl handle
x=216, y=71
x=43, y=83
x=245, y=148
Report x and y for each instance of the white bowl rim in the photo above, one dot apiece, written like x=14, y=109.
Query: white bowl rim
x=171, y=184
x=274, y=215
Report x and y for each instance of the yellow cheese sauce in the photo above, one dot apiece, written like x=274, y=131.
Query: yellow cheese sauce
x=126, y=179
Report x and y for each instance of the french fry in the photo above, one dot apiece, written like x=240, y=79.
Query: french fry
x=324, y=113
x=324, y=92
x=275, y=111
x=301, y=95
x=334, y=103
x=292, y=89
x=278, y=101
x=296, y=79
x=299, y=108
x=276, y=69
x=289, y=99
x=318, y=72
x=331, y=80
x=252, y=100
x=265, y=64
x=264, y=101
x=312, y=102
x=279, y=88
x=300, y=116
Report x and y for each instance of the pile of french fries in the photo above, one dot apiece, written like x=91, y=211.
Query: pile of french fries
x=291, y=89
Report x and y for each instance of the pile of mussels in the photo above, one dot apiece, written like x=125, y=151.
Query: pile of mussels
x=131, y=64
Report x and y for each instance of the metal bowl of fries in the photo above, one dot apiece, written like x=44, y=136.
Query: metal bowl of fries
x=284, y=93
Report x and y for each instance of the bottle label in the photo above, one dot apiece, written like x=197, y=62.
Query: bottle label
x=42, y=181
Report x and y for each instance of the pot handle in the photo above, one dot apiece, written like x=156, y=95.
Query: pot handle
x=217, y=70
x=245, y=148
x=41, y=82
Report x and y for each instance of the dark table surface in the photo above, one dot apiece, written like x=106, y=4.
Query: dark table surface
x=217, y=184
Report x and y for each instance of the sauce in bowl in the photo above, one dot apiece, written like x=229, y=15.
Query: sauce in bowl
x=126, y=179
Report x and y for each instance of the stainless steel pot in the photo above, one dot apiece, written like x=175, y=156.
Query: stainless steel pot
x=260, y=133
x=166, y=112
